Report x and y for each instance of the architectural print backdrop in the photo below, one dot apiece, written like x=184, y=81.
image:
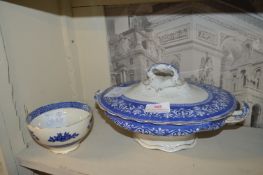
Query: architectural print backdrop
x=206, y=42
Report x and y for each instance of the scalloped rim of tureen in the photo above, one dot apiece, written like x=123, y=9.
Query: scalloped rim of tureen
x=215, y=118
x=223, y=115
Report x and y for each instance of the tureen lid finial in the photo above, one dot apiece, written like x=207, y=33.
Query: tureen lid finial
x=160, y=76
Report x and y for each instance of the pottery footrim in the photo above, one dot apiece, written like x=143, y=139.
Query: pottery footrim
x=167, y=144
x=64, y=150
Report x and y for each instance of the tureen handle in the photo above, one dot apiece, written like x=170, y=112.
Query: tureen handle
x=162, y=76
x=97, y=94
x=240, y=115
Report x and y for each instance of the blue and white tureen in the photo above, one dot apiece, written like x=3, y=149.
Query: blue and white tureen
x=165, y=111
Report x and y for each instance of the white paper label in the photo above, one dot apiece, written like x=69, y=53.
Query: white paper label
x=158, y=108
x=116, y=92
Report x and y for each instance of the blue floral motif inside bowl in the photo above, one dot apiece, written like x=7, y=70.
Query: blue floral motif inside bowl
x=60, y=137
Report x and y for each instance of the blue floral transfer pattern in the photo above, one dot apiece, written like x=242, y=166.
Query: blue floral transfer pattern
x=219, y=103
x=165, y=130
x=62, y=137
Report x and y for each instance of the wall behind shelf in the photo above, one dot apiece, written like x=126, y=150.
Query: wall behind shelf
x=91, y=41
x=37, y=67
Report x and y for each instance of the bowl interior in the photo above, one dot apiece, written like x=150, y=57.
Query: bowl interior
x=59, y=118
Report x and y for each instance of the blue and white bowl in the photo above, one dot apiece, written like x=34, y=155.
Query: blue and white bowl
x=164, y=105
x=60, y=127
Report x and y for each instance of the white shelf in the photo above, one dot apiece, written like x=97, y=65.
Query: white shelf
x=108, y=152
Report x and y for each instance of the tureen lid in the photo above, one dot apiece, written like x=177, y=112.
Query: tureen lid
x=164, y=98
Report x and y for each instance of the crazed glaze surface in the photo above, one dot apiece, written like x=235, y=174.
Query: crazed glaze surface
x=164, y=85
x=183, y=94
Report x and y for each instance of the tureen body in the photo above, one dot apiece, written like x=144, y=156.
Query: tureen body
x=164, y=105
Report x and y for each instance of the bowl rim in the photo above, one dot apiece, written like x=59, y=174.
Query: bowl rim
x=59, y=105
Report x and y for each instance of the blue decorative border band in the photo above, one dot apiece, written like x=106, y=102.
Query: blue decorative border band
x=54, y=106
x=218, y=104
x=165, y=130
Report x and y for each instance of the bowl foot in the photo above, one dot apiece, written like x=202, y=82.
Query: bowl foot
x=64, y=150
x=167, y=144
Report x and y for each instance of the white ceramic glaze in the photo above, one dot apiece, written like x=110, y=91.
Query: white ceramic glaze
x=167, y=87
x=60, y=129
x=167, y=144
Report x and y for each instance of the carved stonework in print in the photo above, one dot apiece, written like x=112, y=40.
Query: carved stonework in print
x=178, y=33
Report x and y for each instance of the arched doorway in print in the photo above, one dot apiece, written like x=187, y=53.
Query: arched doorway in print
x=256, y=111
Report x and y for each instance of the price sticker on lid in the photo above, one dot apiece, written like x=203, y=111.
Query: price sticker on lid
x=158, y=108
